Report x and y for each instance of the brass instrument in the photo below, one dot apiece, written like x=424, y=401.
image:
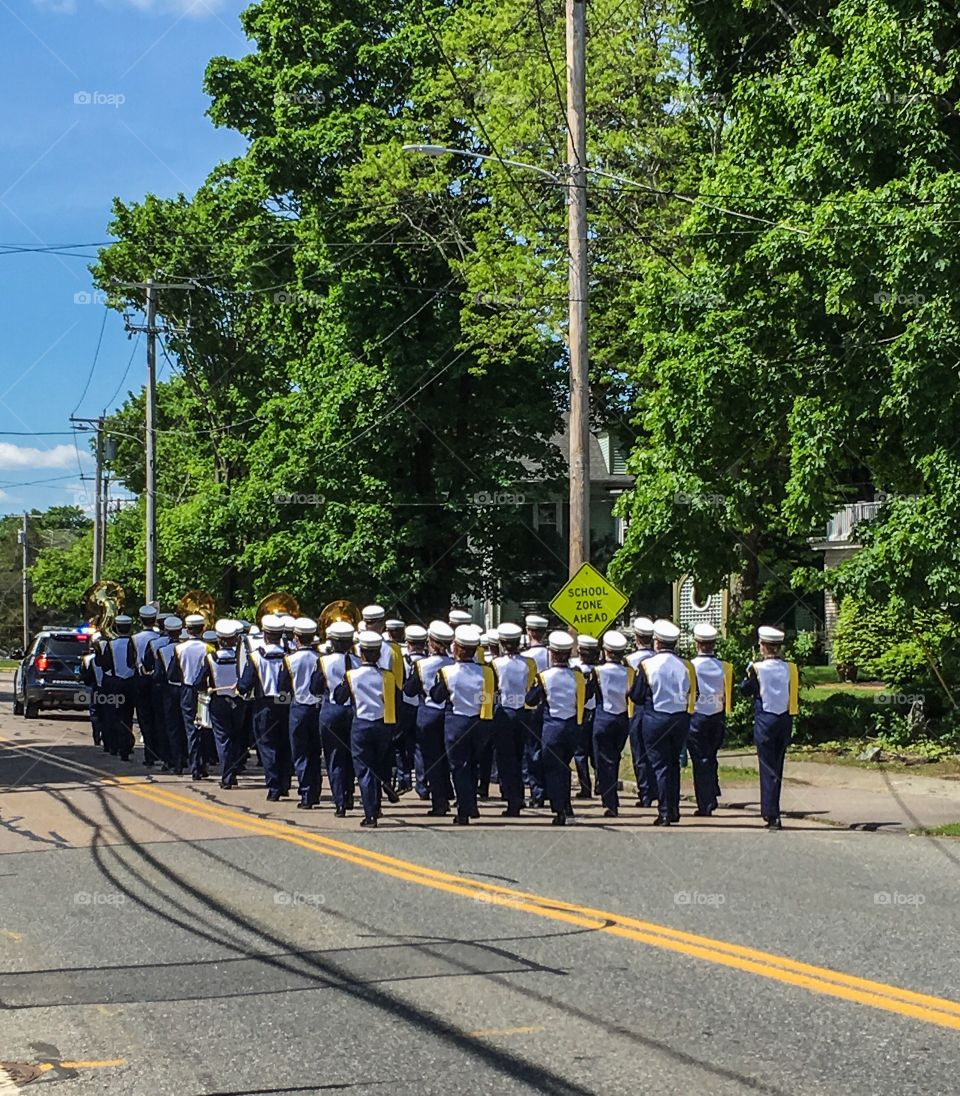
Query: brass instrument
x=198, y=601
x=339, y=610
x=279, y=602
x=102, y=604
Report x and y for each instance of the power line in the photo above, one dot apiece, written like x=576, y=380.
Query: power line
x=93, y=364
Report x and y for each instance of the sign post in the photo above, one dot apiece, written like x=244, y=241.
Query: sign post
x=589, y=603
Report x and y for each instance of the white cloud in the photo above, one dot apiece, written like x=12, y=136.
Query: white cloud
x=17, y=457
x=195, y=8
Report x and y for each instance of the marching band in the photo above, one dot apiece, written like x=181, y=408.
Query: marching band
x=389, y=708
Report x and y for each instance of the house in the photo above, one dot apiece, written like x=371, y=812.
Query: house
x=839, y=544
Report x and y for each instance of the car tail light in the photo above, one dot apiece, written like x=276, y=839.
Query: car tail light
x=42, y=663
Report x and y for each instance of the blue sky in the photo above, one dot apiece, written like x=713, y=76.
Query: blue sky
x=100, y=98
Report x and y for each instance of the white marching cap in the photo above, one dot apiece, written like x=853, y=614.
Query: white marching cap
x=194, y=620
x=614, y=641
x=271, y=622
x=536, y=622
x=440, y=631
x=491, y=636
x=415, y=633
x=765, y=633
x=254, y=632
x=705, y=631
x=467, y=635
x=304, y=626
x=459, y=616
x=173, y=624
x=509, y=632
x=643, y=626
x=123, y=619
x=370, y=640
x=560, y=641
x=148, y=612
x=340, y=629
x=227, y=628
x=373, y=612
x=666, y=630
x=210, y=635
x=287, y=621
x=395, y=625
x=587, y=641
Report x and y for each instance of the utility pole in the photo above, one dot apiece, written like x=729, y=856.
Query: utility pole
x=99, y=528
x=26, y=579
x=151, y=330
x=576, y=23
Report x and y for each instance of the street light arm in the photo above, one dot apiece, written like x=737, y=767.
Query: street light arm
x=443, y=150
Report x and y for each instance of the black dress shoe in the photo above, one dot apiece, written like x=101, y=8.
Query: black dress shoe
x=304, y=805
x=227, y=787
x=273, y=797
x=584, y=793
x=702, y=814
x=661, y=821
x=774, y=824
x=644, y=803
x=340, y=812
x=558, y=820
x=511, y=812
x=611, y=813
x=536, y=800
x=369, y=822
x=483, y=793
x=391, y=793
x=461, y=820
x=475, y=813
x=674, y=818
x=436, y=812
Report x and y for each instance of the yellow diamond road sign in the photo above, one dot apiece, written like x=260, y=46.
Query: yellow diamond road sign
x=589, y=603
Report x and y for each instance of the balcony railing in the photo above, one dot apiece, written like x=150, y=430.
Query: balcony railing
x=841, y=525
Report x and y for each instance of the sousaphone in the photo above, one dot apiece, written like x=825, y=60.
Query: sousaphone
x=198, y=601
x=279, y=602
x=102, y=604
x=339, y=610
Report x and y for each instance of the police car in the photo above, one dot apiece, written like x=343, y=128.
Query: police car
x=49, y=675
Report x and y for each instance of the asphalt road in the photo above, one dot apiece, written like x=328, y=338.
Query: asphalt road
x=158, y=937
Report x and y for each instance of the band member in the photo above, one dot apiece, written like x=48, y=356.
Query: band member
x=430, y=716
x=117, y=659
x=467, y=690
x=515, y=677
x=260, y=680
x=336, y=718
x=642, y=769
x=613, y=679
x=774, y=684
x=187, y=670
x=304, y=722
x=532, y=755
x=169, y=696
x=666, y=687
x=226, y=708
x=373, y=694
x=92, y=676
x=487, y=652
x=708, y=722
x=391, y=656
x=587, y=657
x=408, y=759
x=143, y=687
x=560, y=693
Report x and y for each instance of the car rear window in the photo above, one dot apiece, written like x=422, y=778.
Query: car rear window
x=65, y=646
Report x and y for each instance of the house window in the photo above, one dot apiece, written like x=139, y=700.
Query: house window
x=547, y=517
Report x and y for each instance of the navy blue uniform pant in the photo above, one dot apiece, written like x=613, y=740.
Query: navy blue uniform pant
x=533, y=755
x=158, y=696
x=485, y=751
x=335, y=723
x=462, y=738
x=664, y=737
x=305, y=748
x=771, y=734
x=193, y=733
x=436, y=772
x=404, y=745
x=146, y=720
x=642, y=768
x=558, y=739
x=509, y=737
x=371, y=741
x=705, y=738
x=227, y=716
x=118, y=693
x=273, y=743
x=609, y=738
x=583, y=757
x=176, y=738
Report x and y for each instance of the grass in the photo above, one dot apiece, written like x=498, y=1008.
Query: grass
x=947, y=767
x=8, y=664
x=819, y=682
x=951, y=829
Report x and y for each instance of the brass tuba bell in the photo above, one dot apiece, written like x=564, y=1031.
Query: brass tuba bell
x=102, y=604
x=339, y=610
x=198, y=601
x=279, y=602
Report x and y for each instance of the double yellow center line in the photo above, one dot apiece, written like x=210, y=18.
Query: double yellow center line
x=778, y=968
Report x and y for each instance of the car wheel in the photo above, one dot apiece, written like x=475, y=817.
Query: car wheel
x=30, y=711
x=17, y=706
